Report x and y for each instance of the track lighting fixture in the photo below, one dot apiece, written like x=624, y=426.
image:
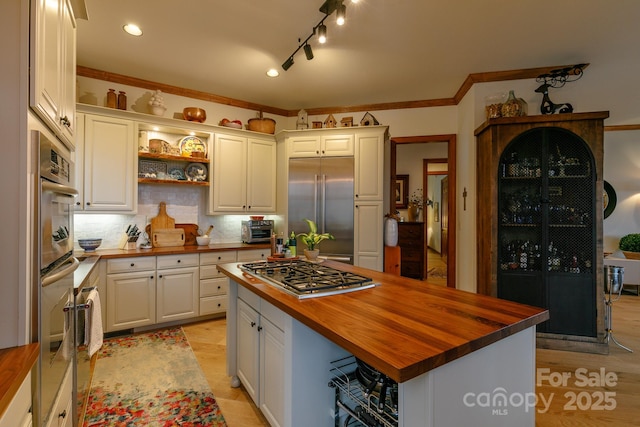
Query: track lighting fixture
x=328, y=7
x=308, y=52
x=322, y=33
x=288, y=63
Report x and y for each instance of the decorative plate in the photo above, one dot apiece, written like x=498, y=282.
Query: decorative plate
x=196, y=172
x=609, y=199
x=189, y=144
x=177, y=173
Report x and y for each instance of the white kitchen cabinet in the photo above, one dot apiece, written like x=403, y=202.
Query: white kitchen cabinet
x=368, y=230
x=177, y=287
x=213, y=284
x=53, y=71
x=250, y=255
x=131, y=293
x=316, y=144
x=78, y=158
x=110, y=166
x=244, y=175
x=260, y=354
x=369, y=164
x=61, y=414
x=18, y=413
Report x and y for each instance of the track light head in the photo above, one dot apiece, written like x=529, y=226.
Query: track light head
x=322, y=33
x=340, y=14
x=308, y=52
x=288, y=63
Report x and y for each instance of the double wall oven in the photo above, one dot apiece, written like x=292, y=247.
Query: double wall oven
x=53, y=278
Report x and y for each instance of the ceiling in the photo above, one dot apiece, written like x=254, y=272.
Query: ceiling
x=387, y=51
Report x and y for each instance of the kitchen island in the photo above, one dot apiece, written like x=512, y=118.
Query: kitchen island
x=459, y=358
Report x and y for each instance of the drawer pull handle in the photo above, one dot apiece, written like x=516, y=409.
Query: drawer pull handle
x=219, y=287
x=150, y=277
x=178, y=261
x=259, y=328
x=219, y=304
x=160, y=276
x=253, y=324
x=132, y=264
x=63, y=414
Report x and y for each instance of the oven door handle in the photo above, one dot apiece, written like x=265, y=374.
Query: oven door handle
x=60, y=274
x=59, y=188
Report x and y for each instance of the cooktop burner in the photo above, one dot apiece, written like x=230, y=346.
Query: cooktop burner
x=305, y=279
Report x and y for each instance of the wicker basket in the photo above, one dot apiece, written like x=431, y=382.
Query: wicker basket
x=262, y=125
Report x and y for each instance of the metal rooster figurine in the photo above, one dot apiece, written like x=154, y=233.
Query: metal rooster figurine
x=557, y=78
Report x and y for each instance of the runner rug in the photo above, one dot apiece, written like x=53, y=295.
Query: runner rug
x=150, y=379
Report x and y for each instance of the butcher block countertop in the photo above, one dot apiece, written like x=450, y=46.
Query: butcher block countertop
x=173, y=250
x=403, y=327
x=15, y=364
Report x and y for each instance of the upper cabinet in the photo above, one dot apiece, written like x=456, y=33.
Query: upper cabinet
x=319, y=145
x=369, y=154
x=244, y=175
x=109, y=148
x=53, y=66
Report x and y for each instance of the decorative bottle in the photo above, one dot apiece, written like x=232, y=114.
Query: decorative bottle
x=511, y=107
x=122, y=101
x=293, y=245
x=112, y=98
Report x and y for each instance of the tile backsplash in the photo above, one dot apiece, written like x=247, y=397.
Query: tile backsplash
x=184, y=204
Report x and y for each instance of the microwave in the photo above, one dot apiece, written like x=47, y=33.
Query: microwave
x=257, y=231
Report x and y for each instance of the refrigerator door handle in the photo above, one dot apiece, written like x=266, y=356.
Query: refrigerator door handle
x=324, y=203
x=315, y=199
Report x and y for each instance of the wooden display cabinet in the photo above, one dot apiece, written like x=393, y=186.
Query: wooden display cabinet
x=539, y=221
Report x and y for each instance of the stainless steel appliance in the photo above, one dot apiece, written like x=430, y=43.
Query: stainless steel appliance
x=257, y=231
x=322, y=190
x=305, y=279
x=53, y=267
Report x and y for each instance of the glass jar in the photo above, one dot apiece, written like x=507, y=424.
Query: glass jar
x=493, y=105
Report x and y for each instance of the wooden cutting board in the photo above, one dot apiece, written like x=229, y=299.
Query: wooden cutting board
x=167, y=237
x=190, y=233
x=162, y=221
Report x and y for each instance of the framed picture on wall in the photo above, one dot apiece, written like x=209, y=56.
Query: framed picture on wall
x=402, y=188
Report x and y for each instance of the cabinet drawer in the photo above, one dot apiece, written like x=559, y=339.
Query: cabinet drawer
x=273, y=314
x=249, y=297
x=217, y=257
x=174, y=261
x=254, y=255
x=210, y=287
x=412, y=255
x=210, y=272
x=212, y=305
x=411, y=269
x=123, y=265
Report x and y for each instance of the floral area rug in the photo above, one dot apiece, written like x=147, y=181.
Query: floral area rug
x=150, y=379
x=439, y=272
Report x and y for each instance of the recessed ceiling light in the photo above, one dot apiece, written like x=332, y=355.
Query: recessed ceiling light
x=132, y=29
x=273, y=73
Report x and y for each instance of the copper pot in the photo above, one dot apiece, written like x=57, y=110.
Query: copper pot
x=194, y=114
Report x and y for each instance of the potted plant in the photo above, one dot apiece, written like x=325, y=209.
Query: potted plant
x=313, y=239
x=630, y=245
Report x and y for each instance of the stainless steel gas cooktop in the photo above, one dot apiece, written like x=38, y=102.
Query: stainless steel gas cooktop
x=305, y=279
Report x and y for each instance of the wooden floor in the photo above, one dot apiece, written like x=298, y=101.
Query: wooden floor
x=434, y=261
x=208, y=342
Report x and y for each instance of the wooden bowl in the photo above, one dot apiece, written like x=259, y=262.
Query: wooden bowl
x=194, y=114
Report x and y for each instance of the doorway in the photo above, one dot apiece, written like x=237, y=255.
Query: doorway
x=436, y=218
x=450, y=203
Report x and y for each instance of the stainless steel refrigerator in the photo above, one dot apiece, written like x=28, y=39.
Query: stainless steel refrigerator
x=322, y=190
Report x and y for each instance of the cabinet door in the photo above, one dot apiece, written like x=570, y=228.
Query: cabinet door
x=336, y=145
x=18, y=412
x=261, y=175
x=131, y=300
x=369, y=181
x=178, y=294
x=303, y=146
x=248, y=347
x=54, y=50
x=271, y=372
x=229, y=174
x=109, y=165
x=368, y=235
x=79, y=161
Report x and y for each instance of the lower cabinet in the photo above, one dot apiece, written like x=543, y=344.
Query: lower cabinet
x=368, y=241
x=213, y=284
x=18, y=413
x=62, y=412
x=177, y=287
x=260, y=355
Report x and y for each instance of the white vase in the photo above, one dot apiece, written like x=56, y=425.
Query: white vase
x=158, y=110
x=390, y=232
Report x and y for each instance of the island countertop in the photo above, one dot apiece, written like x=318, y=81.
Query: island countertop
x=403, y=327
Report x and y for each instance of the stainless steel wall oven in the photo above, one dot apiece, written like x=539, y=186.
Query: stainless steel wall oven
x=53, y=267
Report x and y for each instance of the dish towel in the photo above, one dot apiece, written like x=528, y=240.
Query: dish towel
x=93, y=327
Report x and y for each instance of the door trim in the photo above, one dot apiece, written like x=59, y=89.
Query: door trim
x=450, y=139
